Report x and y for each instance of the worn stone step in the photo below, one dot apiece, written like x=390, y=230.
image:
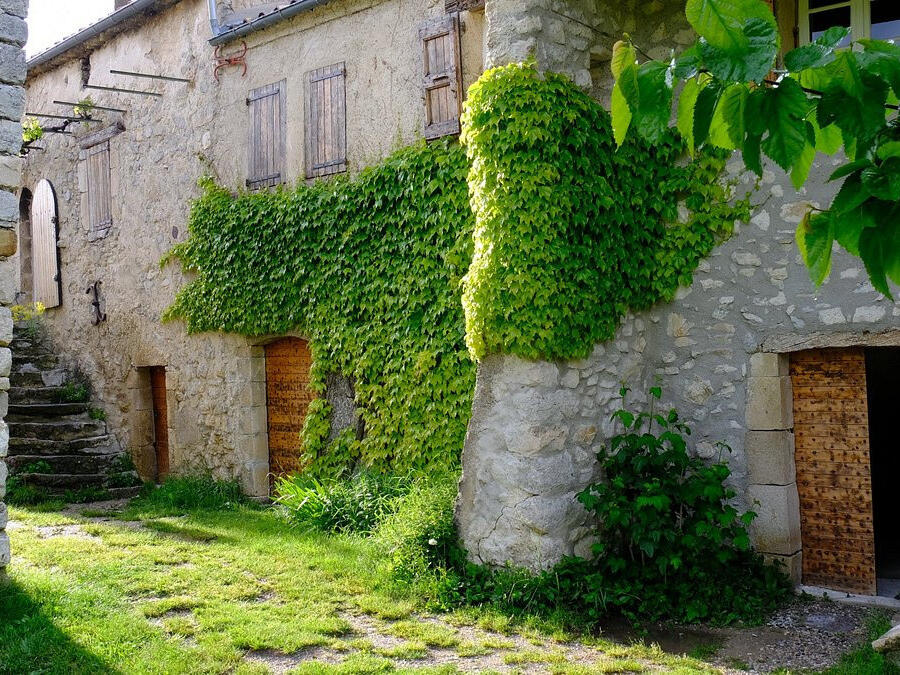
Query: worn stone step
x=24, y=395
x=38, y=378
x=57, y=430
x=59, y=482
x=66, y=464
x=74, y=417
x=29, y=410
x=92, y=445
x=31, y=362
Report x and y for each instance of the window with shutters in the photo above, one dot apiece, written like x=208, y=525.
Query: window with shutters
x=267, y=135
x=98, y=189
x=442, y=72
x=326, y=121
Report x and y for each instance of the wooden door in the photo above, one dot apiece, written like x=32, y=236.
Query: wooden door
x=160, y=421
x=834, y=480
x=45, y=258
x=288, y=396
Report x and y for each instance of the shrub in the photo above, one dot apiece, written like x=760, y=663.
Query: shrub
x=669, y=543
x=352, y=505
x=419, y=538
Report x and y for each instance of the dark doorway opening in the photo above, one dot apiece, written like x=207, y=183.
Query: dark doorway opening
x=160, y=421
x=26, y=275
x=882, y=377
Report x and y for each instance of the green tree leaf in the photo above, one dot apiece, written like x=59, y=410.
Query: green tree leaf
x=625, y=100
x=623, y=54
x=818, y=53
x=749, y=61
x=784, y=108
x=815, y=235
x=871, y=244
x=684, y=120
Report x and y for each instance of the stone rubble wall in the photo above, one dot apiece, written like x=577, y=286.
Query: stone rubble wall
x=13, y=33
x=717, y=350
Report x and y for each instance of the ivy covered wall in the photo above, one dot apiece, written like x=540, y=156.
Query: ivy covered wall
x=556, y=232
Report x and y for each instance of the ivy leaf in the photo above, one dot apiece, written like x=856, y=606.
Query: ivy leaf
x=818, y=53
x=815, y=235
x=784, y=109
x=684, y=120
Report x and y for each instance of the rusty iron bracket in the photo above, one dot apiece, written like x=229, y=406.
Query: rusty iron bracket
x=99, y=316
x=226, y=60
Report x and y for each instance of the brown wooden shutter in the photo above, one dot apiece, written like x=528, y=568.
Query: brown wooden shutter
x=326, y=121
x=267, y=135
x=442, y=83
x=45, y=258
x=98, y=188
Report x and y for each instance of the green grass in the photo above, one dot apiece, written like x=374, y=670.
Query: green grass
x=198, y=590
x=864, y=660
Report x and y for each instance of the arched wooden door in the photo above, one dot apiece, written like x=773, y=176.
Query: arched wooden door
x=45, y=258
x=288, y=396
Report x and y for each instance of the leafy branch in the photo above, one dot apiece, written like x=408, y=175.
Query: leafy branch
x=826, y=99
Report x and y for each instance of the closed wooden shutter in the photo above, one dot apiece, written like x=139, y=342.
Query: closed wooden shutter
x=442, y=83
x=98, y=187
x=326, y=121
x=267, y=135
x=834, y=481
x=45, y=259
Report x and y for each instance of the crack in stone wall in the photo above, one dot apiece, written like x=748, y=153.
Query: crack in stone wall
x=13, y=33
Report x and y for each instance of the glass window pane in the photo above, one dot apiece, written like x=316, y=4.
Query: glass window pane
x=819, y=22
x=815, y=4
x=885, y=19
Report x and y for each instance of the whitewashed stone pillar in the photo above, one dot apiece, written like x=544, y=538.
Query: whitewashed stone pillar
x=13, y=33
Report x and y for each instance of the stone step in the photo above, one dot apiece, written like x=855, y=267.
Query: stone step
x=38, y=378
x=92, y=445
x=59, y=482
x=66, y=464
x=57, y=430
x=74, y=417
x=29, y=410
x=25, y=395
x=24, y=363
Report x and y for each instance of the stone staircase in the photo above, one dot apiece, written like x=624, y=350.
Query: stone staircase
x=55, y=444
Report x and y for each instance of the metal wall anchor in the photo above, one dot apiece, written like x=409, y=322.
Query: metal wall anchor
x=234, y=59
x=99, y=316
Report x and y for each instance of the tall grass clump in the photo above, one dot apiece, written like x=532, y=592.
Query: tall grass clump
x=176, y=495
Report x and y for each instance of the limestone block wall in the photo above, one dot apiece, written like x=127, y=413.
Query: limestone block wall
x=13, y=33
x=215, y=382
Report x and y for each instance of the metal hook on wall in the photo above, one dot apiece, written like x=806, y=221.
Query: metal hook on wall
x=99, y=316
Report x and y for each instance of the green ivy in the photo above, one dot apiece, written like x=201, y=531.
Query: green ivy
x=571, y=234
x=369, y=270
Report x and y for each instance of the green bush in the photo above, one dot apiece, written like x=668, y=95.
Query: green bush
x=356, y=504
x=419, y=539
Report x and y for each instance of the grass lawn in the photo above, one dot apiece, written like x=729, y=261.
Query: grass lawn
x=236, y=590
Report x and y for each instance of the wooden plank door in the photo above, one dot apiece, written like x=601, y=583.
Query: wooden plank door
x=288, y=396
x=834, y=479
x=160, y=421
x=45, y=258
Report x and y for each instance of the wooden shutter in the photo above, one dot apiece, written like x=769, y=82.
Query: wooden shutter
x=98, y=187
x=442, y=83
x=267, y=135
x=45, y=260
x=326, y=121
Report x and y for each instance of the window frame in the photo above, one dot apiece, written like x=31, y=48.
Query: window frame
x=860, y=18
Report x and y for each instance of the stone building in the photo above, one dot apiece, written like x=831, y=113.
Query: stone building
x=751, y=353
x=12, y=99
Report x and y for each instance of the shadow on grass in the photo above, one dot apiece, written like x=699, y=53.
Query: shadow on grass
x=30, y=640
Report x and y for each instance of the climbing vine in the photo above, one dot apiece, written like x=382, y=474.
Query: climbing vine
x=570, y=235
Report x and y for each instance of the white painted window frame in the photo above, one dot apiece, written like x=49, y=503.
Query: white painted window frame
x=860, y=18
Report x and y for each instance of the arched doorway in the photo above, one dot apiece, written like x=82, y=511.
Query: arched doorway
x=288, y=396
x=44, y=252
x=26, y=278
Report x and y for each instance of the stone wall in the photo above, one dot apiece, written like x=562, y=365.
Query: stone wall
x=13, y=33
x=717, y=350
x=216, y=383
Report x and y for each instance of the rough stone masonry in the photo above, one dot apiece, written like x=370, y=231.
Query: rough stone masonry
x=13, y=32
